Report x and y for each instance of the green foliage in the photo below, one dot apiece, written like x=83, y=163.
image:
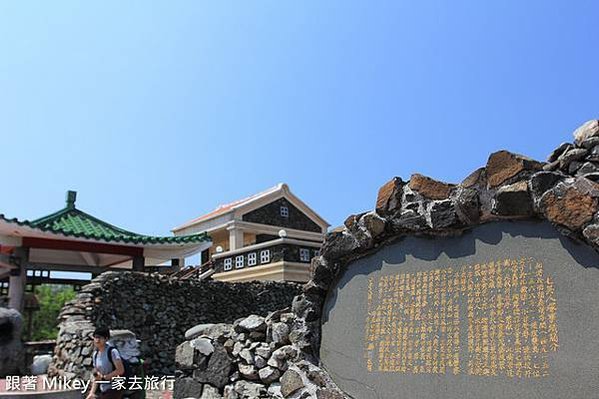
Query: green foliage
x=51, y=299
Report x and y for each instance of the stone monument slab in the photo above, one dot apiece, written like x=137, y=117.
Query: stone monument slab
x=508, y=309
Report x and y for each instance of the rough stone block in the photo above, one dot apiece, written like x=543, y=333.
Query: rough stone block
x=559, y=151
x=210, y=392
x=513, y=200
x=185, y=356
x=476, y=178
x=442, y=214
x=467, y=205
x=291, y=381
x=587, y=168
x=280, y=333
x=409, y=221
x=202, y=345
x=503, y=165
x=327, y=393
x=248, y=371
x=591, y=233
x=269, y=374
x=571, y=204
x=218, y=369
x=571, y=155
x=373, y=223
x=40, y=364
x=586, y=131
x=339, y=243
x=187, y=388
x=541, y=182
x=389, y=196
x=430, y=188
x=252, y=323
x=249, y=390
x=593, y=154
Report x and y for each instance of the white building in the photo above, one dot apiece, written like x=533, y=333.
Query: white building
x=271, y=235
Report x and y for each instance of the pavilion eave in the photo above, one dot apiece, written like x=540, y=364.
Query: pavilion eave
x=19, y=235
x=72, y=240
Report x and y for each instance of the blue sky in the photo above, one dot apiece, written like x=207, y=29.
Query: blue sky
x=155, y=112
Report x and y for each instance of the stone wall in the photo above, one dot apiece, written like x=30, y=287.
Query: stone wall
x=159, y=310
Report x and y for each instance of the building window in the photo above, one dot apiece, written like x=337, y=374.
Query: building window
x=265, y=256
x=284, y=211
x=316, y=253
x=304, y=255
x=252, y=259
x=239, y=262
x=228, y=264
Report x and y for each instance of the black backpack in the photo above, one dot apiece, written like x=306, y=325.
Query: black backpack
x=129, y=372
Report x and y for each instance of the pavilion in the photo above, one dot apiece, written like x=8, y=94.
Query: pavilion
x=74, y=241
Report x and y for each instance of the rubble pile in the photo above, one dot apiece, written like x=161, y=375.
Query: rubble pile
x=255, y=357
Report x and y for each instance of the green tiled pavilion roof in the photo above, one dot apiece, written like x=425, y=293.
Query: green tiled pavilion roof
x=72, y=222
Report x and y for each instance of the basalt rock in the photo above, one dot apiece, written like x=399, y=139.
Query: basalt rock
x=442, y=214
x=513, y=200
x=587, y=168
x=430, y=188
x=571, y=204
x=11, y=347
x=467, y=205
x=573, y=154
x=559, y=151
x=504, y=165
x=587, y=131
x=389, y=197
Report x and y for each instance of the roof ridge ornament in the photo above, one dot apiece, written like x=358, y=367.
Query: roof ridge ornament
x=71, y=198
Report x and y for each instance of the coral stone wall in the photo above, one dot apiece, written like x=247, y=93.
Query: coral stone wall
x=159, y=310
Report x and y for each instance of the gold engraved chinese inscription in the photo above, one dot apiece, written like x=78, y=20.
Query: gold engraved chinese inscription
x=487, y=319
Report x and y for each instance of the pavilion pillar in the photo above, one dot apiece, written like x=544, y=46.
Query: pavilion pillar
x=18, y=280
x=139, y=264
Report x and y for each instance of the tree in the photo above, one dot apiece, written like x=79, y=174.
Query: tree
x=51, y=299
